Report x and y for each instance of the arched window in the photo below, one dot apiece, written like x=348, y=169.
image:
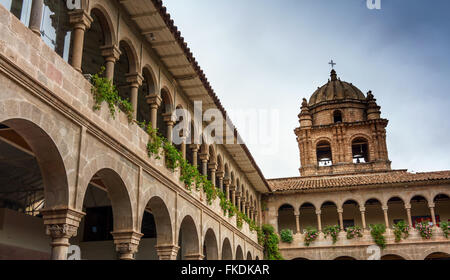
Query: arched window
x=360, y=150
x=324, y=155
x=337, y=116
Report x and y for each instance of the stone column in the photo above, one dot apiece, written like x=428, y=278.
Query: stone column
x=363, y=216
x=36, y=16
x=433, y=215
x=297, y=221
x=169, y=120
x=341, y=218
x=220, y=175
x=111, y=54
x=183, y=146
x=204, y=158
x=238, y=201
x=167, y=252
x=194, y=148
x=61, y=225
x=247, y=208
x=127, y=243
x=319, y=220
x=154, y=101
x=212, y=168
x=226, y=183
x=408, y=214
x=386, y=217
x=80, y=21
x=135, y=80
x=233, y=194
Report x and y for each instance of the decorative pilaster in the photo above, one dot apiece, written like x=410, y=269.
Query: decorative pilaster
x=61, y=225
x=81, y=21
x=127, y=243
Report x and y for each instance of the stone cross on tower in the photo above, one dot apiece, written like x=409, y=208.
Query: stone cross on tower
x=332, y=64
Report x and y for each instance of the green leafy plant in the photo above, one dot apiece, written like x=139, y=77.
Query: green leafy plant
x=271, y=241
x=401, y=230
x=353, y=232
x=445, y=227
x=311, y=235
x=332, y=231
x=287, y=236
x=103, y=90
x=377, y=231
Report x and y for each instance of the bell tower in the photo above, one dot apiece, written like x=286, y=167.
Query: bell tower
x=341, y=131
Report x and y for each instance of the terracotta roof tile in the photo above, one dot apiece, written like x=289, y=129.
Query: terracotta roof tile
x=354, y=180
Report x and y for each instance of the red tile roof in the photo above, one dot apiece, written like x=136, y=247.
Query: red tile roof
x=355, y=180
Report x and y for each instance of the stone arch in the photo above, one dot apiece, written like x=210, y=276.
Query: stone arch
x=345, y=258
x=119, y=189
x=392, y=257
x=99, y=11
x=48, y=156
x=188, y=239
x=308, y=217
x=133, y=58
x=227, y=251
x=438, y=256
x=249, y=256
x=426, y=196
x=123, y=214
x=324, y=152
x=210, y=246
x=239, y=253
x=163, y=221
x=148, y=72
x=441, y=249
x=212, y=154
x=286, y=217
x=167, y=98
x=148, y=88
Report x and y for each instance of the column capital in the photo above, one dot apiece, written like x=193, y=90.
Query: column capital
x=111, y=52
x=169, y=118
x=238, y=196
x=212, y=166
x=319, y=212
x=80, y=19
x=126, y=243
x=431, y=205
x=362, y=209
x=135, y=79
x=154, y=100
x=61, y=221
x=204, y=157
x=407, y=206
x=167, y=251
x=194, y=257
x=385, y=208
x=194, y=147
x=220, y=174
x=340, y=210
x=227, y=181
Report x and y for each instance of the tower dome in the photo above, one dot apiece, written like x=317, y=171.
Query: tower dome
x=336, y=90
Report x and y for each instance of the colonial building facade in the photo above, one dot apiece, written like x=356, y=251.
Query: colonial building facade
x=71, y=175
x=347, y=182
x=76, y=180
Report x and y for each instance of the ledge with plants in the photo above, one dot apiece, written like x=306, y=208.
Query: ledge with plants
x=103, y=90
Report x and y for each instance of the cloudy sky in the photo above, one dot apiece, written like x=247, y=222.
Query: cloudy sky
x=266, y=55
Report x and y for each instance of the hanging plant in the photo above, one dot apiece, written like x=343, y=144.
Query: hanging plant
x=104, y=90
x=287, y=236
x=425, y=229
x=401, y=230
x=271, y=241
x=445, y=227
x=311, y=235
x=353, y=232
x=377, y=231
x=332, y=231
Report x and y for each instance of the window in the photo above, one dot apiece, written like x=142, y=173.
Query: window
x=337, y=116
x=360, y=151
x=20, y=8
x=324, y=155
